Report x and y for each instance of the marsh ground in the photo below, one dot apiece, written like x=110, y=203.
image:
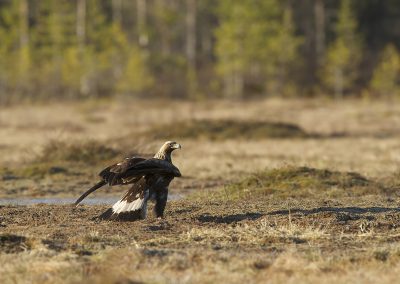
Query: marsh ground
x=314, y=195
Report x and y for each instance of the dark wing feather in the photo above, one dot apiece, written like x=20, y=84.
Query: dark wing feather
x=132, y=206
x=152, y=166
x=93, y=188
x=112, y=174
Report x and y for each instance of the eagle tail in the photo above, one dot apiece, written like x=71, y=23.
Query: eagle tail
x=93, y=188
x=106, y=215
x=126, y=211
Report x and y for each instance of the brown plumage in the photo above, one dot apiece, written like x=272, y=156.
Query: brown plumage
x=150, y=179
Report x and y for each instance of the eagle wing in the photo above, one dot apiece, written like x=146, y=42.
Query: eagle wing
x=151, y=166
x=136, y=171
x=113, y=174
x=132, y=206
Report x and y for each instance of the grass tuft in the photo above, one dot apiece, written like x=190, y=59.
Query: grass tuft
x=56, y=158
x=88, y=152
x=228, y=129
x=10, y=243
x=39, y=170
x=293, y=181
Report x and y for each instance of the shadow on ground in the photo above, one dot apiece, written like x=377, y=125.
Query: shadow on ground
x=230, y=218
x=354, y=210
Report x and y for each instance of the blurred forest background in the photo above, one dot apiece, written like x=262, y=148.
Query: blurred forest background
x=198, y=49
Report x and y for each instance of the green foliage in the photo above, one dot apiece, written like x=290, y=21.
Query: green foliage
x=385, y=80
x=255, y=37
x=135, y=76
x=59, y=49
x=284, y=49
x=50, y=38
x=15, y=56
x=344, y=54
x=72, y=69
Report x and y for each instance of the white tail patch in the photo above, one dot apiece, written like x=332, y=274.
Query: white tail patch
x=125, y=206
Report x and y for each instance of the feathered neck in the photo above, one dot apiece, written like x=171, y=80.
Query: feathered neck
x=164, y=154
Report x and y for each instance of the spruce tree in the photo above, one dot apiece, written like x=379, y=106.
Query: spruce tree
x=15, y=49
x=255, y=39
x=135, y=77
x=344, y=54
x=386, y=76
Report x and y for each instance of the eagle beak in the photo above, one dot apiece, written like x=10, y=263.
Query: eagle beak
x=177, y=146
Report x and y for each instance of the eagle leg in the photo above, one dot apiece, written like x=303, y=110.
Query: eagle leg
x=161, y=201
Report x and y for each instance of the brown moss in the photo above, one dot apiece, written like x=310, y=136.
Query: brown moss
x=228, y=129
x=10, y=243
x=88, y=152
x=304, y=181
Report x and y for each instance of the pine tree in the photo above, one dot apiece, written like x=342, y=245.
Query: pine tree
x=254, y=39
x=135, y=77
x=191, y=74
x=100, y=50
x=52, y=36
x=386, y=77
x=282, y=55
x=344, y=54
x=141, y=23
x=167, y=38
x=15, y=49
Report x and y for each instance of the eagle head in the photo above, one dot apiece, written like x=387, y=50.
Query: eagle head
x=166, y=150
x=170, y=146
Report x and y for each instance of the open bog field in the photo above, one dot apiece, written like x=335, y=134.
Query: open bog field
x=282, y=191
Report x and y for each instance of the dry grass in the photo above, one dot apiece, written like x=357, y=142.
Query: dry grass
x=261, y=232
x=284, y=250
x=290, y=181
x=321, y=208
x=90, y=152
x=227, y=129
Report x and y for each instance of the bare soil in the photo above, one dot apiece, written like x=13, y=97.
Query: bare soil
x=319, y=207
x=248, y=237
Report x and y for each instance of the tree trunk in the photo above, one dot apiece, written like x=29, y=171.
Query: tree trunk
x=143, y=38
x=233, y=85
x=191, y=11
x=81, y=39
x=23, y=23
x=339, y=84
x=319, y=12
x=23, y=59
x=117, y=12
x=164, y=33
x=80, y=23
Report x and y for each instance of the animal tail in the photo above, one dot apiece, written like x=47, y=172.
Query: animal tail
x=93, y=188
x=126, y=211
x=106, y=215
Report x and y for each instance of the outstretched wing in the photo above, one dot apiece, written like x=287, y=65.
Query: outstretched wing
x=151, y=166
x=112, y=174
x=151, y=176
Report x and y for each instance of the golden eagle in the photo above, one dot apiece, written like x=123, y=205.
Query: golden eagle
x=150, y=179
